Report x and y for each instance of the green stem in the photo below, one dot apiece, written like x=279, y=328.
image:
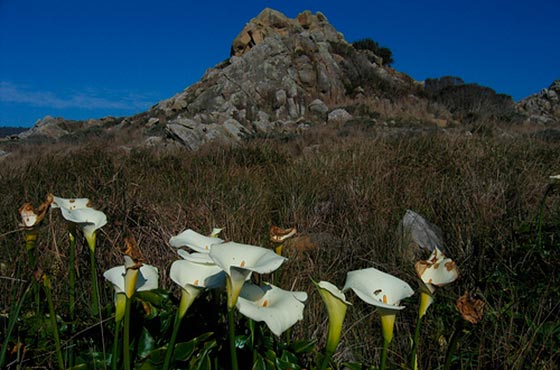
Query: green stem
x=72, y=294
x=171, y=345
x=47, y=288
x=115, y=357
x=233, y=351
x=413, y=356
x=126, y=335
x=326, y=360
x=252, y=328
x=12, y=323
x=95, y=298
x=384, y=354
x=453, y=344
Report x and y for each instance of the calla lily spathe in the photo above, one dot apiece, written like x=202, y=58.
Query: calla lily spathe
x=239, y=261
x=127, y=279
x=80, y=212
x=193, y=278
x=336, y=303
x=70, y=203
x=378, y=288
x=382, y=290
x=197, y=242
x=279, y=309
x=436, y=271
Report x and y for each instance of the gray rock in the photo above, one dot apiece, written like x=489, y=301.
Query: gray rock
x=339, y=115
x=317, y=106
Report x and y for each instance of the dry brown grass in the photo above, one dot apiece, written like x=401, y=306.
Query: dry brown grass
x=484, y=193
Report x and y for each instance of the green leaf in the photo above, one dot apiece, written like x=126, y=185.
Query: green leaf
x=184, y=350
x=303, y=346
x=259, y=364
x=146, y=343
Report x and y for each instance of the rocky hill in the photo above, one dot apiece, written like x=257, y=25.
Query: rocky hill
x=543, y=107
x=286, y=75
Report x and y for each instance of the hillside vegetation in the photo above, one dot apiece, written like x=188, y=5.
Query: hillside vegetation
x=489, y=195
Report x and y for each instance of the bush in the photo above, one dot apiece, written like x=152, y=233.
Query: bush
x=368, y=44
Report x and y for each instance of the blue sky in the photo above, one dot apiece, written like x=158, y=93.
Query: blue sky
x=88, y=59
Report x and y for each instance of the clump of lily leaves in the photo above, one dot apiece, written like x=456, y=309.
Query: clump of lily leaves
x=242, y=316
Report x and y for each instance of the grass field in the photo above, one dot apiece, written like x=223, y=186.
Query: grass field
x=489, y=195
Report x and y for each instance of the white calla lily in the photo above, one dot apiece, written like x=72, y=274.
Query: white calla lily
x=127, y=279
x=378, y=288
x=279, y=309
x=193, y=278
x=89, y=219
x=382, y=290
x=198, y=242
x=239, y=261
x=70, y=203
x=203, y=258
x=436, y=271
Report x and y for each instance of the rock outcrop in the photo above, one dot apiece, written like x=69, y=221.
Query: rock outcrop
x=543, y=107
x=281, y=73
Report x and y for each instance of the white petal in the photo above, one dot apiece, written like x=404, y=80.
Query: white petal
x=70, y=203
x=378, y=288
x=116, y=276
x=333, y=289
x=185, y=273
x=194, y=240
x=147, y=278
x=437, y=270
x=88, y=218
x=196, y=257
x=278, y=308
x=245, y=256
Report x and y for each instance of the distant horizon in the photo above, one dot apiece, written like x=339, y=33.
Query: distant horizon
x=92, y=60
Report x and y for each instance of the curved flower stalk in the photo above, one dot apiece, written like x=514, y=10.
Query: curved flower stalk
x=336, y=303
x=197, y=242
x=436, y=271
x=384, y=291
x=279, y=309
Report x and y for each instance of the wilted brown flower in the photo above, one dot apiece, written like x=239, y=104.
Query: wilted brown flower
x=131, y=250
x=471, y=309
x=30, y=216
x=278, y=235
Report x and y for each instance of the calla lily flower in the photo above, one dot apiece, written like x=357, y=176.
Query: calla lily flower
x=193, y=278
x=438, y=271
x=89, y=219
x=79, y=211
x=197, y=242
x=70, y=203
x=382, y=290
x=554, y=178
x=336, y=303
x=239, y=261
x=279, y=309
x=130, y=278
